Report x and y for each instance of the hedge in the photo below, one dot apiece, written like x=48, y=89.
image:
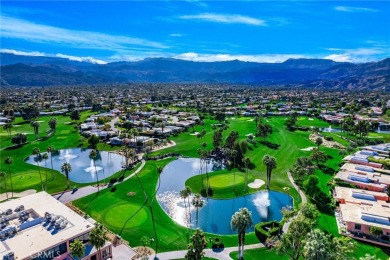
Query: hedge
x=262, y=234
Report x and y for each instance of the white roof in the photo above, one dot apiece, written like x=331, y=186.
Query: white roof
x=37, y=238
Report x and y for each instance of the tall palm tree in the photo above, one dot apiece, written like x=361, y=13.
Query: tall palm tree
x=35, y=125
x=3, y=176
x=188, y=193
x=93, y=155
x=246, y=162
x=66, y=168
x=97, y=238
x=241, y=221
x=53, y=123
x=8, y=161
x=45, y=157
x=37, y=152
x=197, y=202
x=50, y=149
x=200, y=153
x=270, y=163
x=184, y=195
x=77, y=248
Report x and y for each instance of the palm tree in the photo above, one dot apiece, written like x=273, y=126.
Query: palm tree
x=200, y=153
x=77, y=248
x=35, y=125
x=93, y=155
x=3, y=176
x=197, y=202
x=8, y=161
x=97, y=238
x=241, y=221
x=53, y=123
x=270, y=162
x=189, y=192
x=66, y=168
x=246, y=162
x=184, y=195
x=45, y=157
x=37, y=152
x=50, y=150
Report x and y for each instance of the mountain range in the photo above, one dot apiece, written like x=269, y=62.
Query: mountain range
x=18, y=70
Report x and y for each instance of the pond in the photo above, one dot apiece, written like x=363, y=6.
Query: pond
x=83, y=168
x=216, y=214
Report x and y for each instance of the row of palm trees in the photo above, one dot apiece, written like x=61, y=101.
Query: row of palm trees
x=3, y=175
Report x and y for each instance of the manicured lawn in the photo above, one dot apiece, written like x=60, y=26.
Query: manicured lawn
x=222, y=183
x=259, y=253
x=130, y=216
x=311, y=121
x=26, y=176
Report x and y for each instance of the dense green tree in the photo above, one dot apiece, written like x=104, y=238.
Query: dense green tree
x=29, y=112
x=318, y=156
x=310, y=185
x=77, y=248
x=217, y=139
x=19, y=138
x=93, y=141
x=75, y=115
x=196, y=246
x=241, y=221
x=263, y=130
x=317, y=245
x=319, y=141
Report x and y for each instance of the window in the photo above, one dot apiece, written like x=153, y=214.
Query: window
x=358, y=226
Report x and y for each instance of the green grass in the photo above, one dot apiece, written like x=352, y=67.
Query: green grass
x=315, y=122
x=259, y=253
x=26, y=176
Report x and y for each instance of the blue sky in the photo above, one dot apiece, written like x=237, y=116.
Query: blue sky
x=261, y=31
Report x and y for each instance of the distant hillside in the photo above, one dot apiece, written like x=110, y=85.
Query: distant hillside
x=19, y=70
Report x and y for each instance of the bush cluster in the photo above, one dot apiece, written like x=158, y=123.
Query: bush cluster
x=264, y=230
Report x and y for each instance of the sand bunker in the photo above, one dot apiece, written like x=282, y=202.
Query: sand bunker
x=249, y=134
x=196, y=133
x=250, y=120
x=311, y=119
x=308, y=148
x=257, y=183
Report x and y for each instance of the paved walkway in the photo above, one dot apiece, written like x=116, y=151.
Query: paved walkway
x=87, y=190
x=221, y=255
x=303, y=197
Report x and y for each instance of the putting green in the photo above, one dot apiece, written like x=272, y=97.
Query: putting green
x=225, y=180
x=116, y=216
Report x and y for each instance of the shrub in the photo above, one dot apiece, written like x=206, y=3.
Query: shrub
x=328, y=138
x=121, y=178
x=263, y=230
x=113, y=189
x=217, y=243
x=113, y=180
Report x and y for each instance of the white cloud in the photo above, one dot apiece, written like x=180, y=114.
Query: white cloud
x=58, y=55
x=268, y=58
x=22, y=29
x=176, y=35
x=225, y=18
x=80, y=59
x=350, y=9
x=356, y=55
x=23, y=53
